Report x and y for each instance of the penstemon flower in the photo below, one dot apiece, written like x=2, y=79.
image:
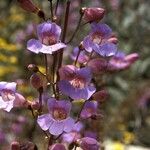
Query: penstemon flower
x=88, y=143
x=98, y=40
x=57, y=120
x=48, y=39
x=75, y=82
x=89, y=109
x=74, y=135
x=74, y=88
x=9, y=98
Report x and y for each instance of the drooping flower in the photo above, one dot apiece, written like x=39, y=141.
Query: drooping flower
x=121, y=61
x=93, y=14
x=98, y=40
x=88, y=143
x=9, y=98
x=48, y=39
x=98, y=65
x=75, y=82
x=89, y=109
x=57, y=120
x=74, y=134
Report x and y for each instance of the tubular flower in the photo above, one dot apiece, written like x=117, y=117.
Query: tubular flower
x=98, y=40
x=75, y=82
x=57, y=120
x=9, y=98
x=48, y=39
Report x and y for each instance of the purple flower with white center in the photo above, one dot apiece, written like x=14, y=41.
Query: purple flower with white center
x=98, y=40
x=75, y=82
x=82, y=56
x=7, y=95
x=9, y=98
x=121, y=61
x=88, y=143
x=57, y=120
x=89, y=109
x=74, y=134
x=48, y=39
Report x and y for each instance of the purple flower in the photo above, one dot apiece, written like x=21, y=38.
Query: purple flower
x=57, y=120
x=121, y=61
x=90, y=134
x=74, y=134
x=7, y=95
x=75, y=82
x=89, y=109
x=48, y=39
x=82, y=56
x=98, y=65
x=88, y=143
x=98, y=40
x=9, y=98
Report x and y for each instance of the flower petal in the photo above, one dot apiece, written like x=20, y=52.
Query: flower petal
x=34, y=46
x=45, y=121
x=69, y=124
x=106, y=49
x=8, y=86
x=57, y=127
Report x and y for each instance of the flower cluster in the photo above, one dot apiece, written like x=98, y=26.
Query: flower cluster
x=71, y=84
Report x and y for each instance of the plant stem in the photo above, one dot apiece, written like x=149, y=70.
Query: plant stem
x=56, y=7
x=77, y=28
x=60, y=54
x=77, y=57
x=40, y=99
x=46, y=65
x=51, y=8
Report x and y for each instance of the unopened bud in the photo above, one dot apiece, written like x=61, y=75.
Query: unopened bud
x=15, y=145
x=28, y=6
x=41, y=14
x=100, y=95
x=35, y=105
x=132, y=57
x=113, y=40
x=93, y=14
x=36, y=80
x=33, y=67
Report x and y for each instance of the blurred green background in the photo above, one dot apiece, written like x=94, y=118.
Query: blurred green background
x=127, y=110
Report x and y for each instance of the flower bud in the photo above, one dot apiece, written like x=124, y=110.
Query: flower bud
x=88, y=143
x=36, y=80
x=93, y=14
x=100, y=95
x=132, y=57
x=113, y=40
x=15, y=145
x=33, y=67
x=28, y=6
x=35, y=105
